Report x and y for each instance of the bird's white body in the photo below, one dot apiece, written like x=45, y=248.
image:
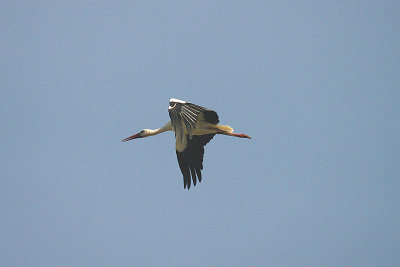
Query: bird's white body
x=201, y=128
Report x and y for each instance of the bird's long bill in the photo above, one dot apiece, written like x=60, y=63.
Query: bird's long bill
x=132, y=137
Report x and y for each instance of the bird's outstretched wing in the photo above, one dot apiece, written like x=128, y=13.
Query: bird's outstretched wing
x=184, y=113
x=191, y=159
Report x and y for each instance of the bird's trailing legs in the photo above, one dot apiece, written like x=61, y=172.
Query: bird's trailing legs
x=220, y=129
x=236, y=135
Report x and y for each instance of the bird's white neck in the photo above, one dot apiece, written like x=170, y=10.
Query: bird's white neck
x=166, y=127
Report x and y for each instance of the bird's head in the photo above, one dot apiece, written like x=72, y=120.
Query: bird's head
x=142, y=133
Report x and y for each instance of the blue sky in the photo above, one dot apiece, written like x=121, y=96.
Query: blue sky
x=315, y=83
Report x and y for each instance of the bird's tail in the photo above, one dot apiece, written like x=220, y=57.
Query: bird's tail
x=224, y=128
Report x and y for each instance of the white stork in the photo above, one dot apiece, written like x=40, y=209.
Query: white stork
x=194, y=127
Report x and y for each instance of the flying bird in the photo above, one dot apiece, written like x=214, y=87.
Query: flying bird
x=194, y=127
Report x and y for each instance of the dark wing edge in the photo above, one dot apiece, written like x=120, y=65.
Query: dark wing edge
x=191, y=159
x=211, y=116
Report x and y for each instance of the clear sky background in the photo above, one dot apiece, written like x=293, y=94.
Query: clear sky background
x=315, y=83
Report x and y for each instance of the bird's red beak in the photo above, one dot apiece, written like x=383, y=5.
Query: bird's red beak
x=138, y=135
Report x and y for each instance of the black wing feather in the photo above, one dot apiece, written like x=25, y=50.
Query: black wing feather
x=211, y=116
x=191, y=159
x=184, y=166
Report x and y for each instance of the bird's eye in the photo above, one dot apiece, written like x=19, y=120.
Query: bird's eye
x=171, y=104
